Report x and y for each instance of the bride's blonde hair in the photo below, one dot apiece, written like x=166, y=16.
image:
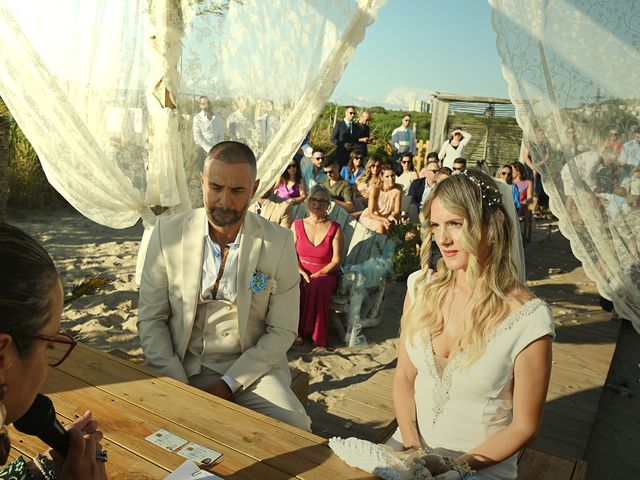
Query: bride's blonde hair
x=491, y=273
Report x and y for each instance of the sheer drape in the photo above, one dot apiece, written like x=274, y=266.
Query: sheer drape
x=573, y=68
x=108, y=92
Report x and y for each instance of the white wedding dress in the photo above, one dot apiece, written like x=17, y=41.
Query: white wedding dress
x=459, y=408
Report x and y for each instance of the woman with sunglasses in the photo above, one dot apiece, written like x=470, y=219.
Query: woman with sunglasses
x=354, y=168
x=365, y=182
x=291, y=187
x=31, y=304
x=318, y=243
x=408, y=174
x=505, y=174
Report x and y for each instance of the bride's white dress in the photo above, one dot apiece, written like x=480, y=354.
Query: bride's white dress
x=459, y=408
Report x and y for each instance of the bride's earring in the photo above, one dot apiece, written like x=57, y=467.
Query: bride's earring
x=5, y=444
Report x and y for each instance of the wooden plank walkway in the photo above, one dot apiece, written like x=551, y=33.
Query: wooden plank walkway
x=582, y=352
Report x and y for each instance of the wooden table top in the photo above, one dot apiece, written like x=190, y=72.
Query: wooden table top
x=130, y=403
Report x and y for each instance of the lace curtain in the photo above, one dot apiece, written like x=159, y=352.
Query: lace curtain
x=573, y=69
x=108, y=92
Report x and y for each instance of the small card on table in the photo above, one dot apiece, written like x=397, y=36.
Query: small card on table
x=166, y=440
x=190, y=471
x=199, y=454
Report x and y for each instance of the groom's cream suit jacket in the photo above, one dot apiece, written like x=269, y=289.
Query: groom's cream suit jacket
x=170, y=289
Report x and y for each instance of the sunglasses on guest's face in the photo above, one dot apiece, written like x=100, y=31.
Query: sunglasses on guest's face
x=293, y=165
x=457, y=168
x=319, y=201
x=503, y=174
x=432, y=170
x=406, y=161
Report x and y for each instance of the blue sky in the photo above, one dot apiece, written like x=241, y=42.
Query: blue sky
x=424, y=45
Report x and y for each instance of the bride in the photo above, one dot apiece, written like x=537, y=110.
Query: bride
x=474, y=356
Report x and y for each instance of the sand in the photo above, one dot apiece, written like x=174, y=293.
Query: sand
x=106, y=320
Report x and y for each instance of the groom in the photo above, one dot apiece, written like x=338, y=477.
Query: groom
x=217, y=291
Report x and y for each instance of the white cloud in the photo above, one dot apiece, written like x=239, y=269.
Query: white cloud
x=400, y=97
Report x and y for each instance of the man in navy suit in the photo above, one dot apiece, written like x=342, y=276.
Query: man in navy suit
x=345, y=136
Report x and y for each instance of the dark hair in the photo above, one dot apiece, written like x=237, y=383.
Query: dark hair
x=317, y=150
x=27, y=275
x=520, y=168
x=352, y=156
x=410, y=163
x=461, y=160
x=285, y=175
x=233, y=153
x=444, y=171
x=433, y=155
x=330, y=162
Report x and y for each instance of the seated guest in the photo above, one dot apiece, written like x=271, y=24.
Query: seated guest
x=31, y=301
x=459, y=165
x=431, y=156
x=524, y=187
x=354, y=168
x=366, y=181
x=274, y=209
x=340, y=190
x=291, y=187
x=216, y=293
x=421, y=187
x=312, y=173
x=318, y=243
x=384, y=203
x=444, y=172
x=505, y=174
x=408, y=174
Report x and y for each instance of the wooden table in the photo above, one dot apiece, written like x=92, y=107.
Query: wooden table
x=130, y=403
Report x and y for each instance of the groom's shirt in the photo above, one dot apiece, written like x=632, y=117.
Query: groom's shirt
x=211, y=261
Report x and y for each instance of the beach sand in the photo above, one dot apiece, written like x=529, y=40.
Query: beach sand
x=107, y=320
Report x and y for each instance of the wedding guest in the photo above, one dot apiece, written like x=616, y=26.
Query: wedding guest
x=431, y=156
x=403, y=140
x=291, y=187
x=421, y=187
x=274, y=209
x=353, y=169
x=366, y=182
x=454, y=147
x=313, y=173
x=340, y=190
x=505, y=174
x=345, y=136
x=474, y=356
x=31, y=302
x=384, y=203
x=441, y=174
x=318, y=242
x=408, y=174
x=208, y=129
x=364, y=133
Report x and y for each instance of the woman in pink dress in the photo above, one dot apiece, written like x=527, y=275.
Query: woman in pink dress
x=318, y=243
x=291, y=187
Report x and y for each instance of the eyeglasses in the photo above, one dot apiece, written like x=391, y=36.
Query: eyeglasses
x=351, y=113
x=503, y=174
x=458, y=168
x=318, y=158
x=405, y=161
x=406, y=119
x=59, y=348
x=431, y=170
x=319, y=201
x=293, y=165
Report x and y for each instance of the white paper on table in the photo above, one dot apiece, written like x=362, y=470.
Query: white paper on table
x=188, y=471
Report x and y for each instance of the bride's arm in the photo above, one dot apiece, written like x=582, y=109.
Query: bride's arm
x=403, y=390
x=530, y=383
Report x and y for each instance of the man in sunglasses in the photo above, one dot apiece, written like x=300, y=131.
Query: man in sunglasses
x=345, y=136
x=421, y=187
x=340, y=189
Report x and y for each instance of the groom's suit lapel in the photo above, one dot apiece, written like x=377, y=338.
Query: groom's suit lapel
x=192, y=251
x=251, y=238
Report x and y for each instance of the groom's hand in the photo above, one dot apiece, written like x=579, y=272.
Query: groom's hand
x=219, y=388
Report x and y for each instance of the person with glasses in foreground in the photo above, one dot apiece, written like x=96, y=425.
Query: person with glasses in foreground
x=474, y=355
x=31, y=302
x=318, y=242
x=459, y=165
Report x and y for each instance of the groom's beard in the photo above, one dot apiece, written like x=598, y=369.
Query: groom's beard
x=226, y=217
